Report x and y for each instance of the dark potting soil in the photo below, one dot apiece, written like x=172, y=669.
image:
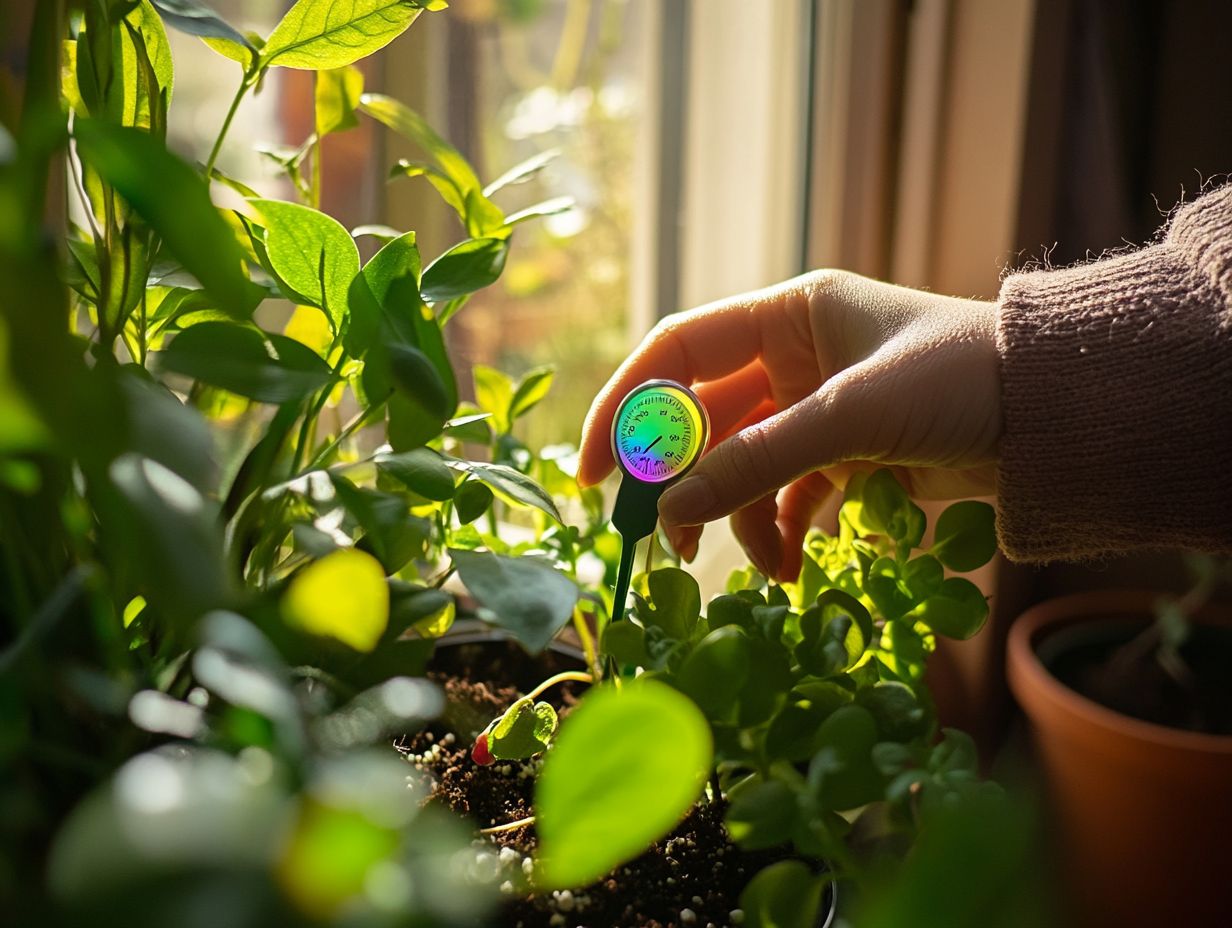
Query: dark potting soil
x=1092, y=661
x=690, y=879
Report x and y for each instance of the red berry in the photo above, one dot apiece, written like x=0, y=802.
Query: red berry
x=480, y=753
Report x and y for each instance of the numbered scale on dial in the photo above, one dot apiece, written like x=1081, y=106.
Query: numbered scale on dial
x=659, y=431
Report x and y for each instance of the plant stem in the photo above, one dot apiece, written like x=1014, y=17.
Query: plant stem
x=245, y=83
x=348, y=430
x=564, y=676
x=510, y=826
x=588, y=643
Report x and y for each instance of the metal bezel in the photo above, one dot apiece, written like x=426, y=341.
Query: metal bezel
x=632, y=394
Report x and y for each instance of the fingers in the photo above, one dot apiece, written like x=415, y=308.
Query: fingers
x=771, y=531
x=755, y=528
x=758, y=460
x=704, y=344
x=798, y=503
x=684, y=540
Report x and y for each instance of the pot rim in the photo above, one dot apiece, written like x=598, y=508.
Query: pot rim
x=1032, y=682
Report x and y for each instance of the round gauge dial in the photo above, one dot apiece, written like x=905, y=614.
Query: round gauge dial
x=659, y=431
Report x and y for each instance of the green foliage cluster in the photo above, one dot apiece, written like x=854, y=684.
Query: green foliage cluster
x=215, y=586
x=812, y=693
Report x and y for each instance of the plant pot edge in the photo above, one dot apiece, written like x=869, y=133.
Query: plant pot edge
x=1035, y=688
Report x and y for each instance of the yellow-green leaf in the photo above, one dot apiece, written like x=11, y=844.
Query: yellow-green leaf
x=627, y=765
x=337, y=95
x=321, y=34
x=342, y=596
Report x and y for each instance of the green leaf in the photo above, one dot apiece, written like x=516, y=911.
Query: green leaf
x=160, y=527
x=532, y=388
x=523, y=731
x=511, y=485
x=958, y=611
x=842, y=773
x=889, y=511
x=792, y=734
x=318, y=35
x=522, y=172
x=428, y=611
x=479, y=214
x=552, y=207
x=260, y=366
x=714, y=672
x=197, y=19
x=244, y=53
x=390, y=533
x=922, y=576
x=762, y=814
x=895, y=709
x=730, y=609
x=677, y=601
x=526, y=597
x=885, y=588
x=342, y=596
x=151, y=50
x=471, y=501
x=768, y=681
x=494, y=395
x=336, y=96
x=422, y=398
x=311, y=253
x=385, y=305
x=165, y=430
x=835, y=633
x=445, y=185
x=625, y=643
x=175, y=201
x=471, y=426
x=786, y=894
x=643, y=748
x=422, y=470
x=464, y=268
x=966, y=535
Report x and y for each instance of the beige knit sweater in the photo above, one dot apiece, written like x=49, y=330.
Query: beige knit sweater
x=1117, y=397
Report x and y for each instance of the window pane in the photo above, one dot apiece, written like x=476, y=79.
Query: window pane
x=564, y=76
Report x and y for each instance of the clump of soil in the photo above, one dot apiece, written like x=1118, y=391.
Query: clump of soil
x=690, y=879
x=1107, y=663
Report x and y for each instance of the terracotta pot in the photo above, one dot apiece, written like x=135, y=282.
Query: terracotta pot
x=1143, y=813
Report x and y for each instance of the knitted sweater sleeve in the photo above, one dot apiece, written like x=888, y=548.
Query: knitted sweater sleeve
x=1116, y=381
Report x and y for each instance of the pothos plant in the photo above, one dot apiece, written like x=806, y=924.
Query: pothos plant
x=811, y=694
x=234, y=480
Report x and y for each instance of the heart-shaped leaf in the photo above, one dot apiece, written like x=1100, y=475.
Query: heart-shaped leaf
x=966, y=535
x=626, y=767
x=523, y=731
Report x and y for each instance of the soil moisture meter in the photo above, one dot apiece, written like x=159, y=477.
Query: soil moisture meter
x=658, y=433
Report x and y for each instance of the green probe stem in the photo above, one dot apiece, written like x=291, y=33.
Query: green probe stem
x=634, y=516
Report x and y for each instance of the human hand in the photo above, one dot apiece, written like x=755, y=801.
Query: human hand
x=806, y=383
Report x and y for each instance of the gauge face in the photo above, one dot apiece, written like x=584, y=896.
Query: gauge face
x=659, y=431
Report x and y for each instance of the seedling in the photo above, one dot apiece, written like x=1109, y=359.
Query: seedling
x=526, y=727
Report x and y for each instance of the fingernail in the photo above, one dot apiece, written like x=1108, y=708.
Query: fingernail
x=688, y=502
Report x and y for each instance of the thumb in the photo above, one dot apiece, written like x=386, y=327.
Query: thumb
x=760, y=459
